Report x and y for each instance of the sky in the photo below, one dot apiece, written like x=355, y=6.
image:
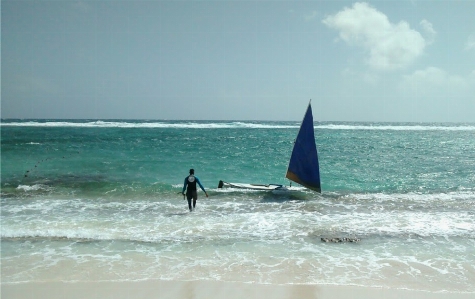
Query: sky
x=385, y=61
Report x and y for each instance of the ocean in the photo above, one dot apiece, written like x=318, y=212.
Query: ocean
x=91, y=200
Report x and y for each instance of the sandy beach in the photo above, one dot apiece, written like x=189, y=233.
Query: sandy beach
x=205, y=290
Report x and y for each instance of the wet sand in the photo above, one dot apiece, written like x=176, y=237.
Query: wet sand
x=206, y=290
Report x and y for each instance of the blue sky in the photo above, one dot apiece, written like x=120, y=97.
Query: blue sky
x=239, y=60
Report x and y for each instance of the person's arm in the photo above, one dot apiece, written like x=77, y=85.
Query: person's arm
x=201, y=186
x=184, y=187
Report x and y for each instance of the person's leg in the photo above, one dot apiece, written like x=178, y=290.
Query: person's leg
x=195, y=197
x=189, y=197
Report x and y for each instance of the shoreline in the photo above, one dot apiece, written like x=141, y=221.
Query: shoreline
x=165, y=289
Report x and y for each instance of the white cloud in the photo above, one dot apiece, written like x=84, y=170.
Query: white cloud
x=429, y=29
x=432, y=75
x=470, y=43
x=389, y=46
x=436, y=81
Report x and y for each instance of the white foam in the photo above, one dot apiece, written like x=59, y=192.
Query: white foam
x=241, y=124
x=36, y=187
x=417, y=197
x=124, y=124
x=386, y=127
x=236, y=236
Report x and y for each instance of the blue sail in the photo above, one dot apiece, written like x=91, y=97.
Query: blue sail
x=303, y=166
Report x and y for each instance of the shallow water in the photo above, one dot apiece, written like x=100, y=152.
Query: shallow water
x=102, y=204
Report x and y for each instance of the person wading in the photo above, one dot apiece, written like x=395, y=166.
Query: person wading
x=190, y=187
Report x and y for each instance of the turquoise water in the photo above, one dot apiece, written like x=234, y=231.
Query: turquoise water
x=97, y=200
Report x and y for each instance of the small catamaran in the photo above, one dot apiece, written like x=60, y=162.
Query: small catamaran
x=303, y=165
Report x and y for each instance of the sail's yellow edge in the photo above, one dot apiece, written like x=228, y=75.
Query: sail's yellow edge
x=293, y=177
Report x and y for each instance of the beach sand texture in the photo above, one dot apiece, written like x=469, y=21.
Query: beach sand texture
x=206, y=290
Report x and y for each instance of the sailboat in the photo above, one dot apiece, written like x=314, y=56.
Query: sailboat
x=303, y=166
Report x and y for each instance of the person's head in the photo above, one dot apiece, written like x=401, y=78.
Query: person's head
x=192, y=171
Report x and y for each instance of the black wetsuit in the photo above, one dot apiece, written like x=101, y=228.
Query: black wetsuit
x=191, y=191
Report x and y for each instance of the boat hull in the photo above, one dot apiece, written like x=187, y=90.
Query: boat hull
x=258, y=187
